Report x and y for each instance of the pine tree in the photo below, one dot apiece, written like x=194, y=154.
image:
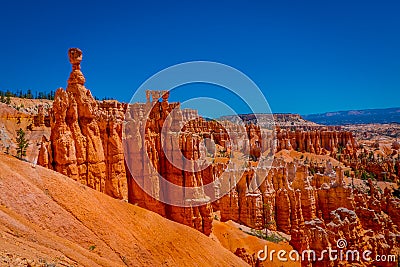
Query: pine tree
x=29, y=94
x=22, y=144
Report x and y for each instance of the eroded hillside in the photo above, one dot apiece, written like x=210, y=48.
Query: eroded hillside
x=46, y=218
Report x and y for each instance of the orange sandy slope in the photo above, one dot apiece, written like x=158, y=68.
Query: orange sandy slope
x=232, y=238
x=47, y=218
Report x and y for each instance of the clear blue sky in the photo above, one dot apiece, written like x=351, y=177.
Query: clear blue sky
x=306, y=56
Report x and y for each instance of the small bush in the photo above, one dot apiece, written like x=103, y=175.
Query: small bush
x=263, y=235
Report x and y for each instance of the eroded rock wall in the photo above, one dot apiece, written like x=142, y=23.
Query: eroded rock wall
x=146, y=148
x=317, y=140
x=317, y=210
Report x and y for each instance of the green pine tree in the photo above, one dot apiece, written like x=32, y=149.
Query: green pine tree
x=22, y=144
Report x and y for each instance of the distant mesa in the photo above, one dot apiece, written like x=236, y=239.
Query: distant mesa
x=387, y=115
x=266, y=120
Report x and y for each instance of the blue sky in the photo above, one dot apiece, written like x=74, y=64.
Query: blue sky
x=305, y=56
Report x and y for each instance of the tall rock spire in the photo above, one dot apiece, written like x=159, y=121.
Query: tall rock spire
x=77, y=148
x=75, y=58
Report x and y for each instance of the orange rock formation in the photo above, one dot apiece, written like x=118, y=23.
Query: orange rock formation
x=320, y=140
x=86, y=139
x=149, y=142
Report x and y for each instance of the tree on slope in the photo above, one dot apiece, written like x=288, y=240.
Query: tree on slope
x=22, y=144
